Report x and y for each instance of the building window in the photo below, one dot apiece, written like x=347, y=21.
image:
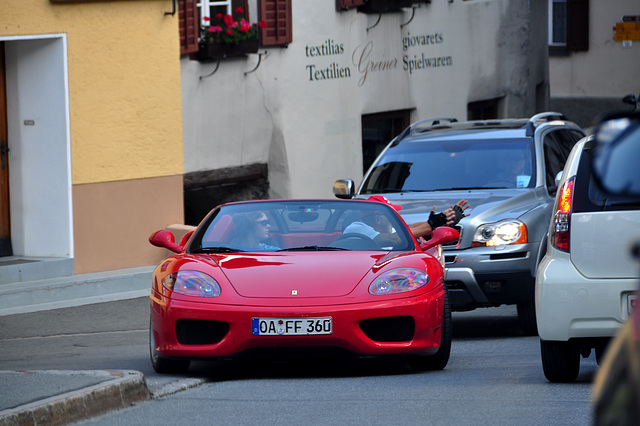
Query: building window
x=558, y=22
x=210, y=8
x=568, y=25
x=378, y=130
x=276, y=14
x=483, y=110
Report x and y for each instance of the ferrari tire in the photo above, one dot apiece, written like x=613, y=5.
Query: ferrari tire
x=560, y=361
x=439, y=360
x=527, y=318
x=164, y=365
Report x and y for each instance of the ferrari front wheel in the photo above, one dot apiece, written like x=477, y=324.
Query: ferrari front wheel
x=161, y=364
x=439, y=360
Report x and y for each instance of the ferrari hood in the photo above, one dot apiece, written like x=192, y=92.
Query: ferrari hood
x=297, y=274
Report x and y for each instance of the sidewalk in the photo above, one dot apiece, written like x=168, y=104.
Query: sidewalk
x=60, y=397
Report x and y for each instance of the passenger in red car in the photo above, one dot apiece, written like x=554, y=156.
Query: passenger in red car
x=252, y=229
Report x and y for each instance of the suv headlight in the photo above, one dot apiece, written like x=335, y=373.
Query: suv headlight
x=398, y=281
x=192, y=283
x=500, y=233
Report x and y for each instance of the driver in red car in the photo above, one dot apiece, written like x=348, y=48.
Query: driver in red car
x=252, y=229
x=379, y=229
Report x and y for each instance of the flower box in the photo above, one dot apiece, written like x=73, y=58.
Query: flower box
x=381, y=6
x=215, y=51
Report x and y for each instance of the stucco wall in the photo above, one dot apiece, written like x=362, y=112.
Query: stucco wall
x=607, y=68
x=300, y=111
x=124, y=88
x=115, y=127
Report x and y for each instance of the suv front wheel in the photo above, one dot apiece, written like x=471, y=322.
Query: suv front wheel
x=560, y=361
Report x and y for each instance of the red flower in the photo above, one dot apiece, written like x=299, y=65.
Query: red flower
x=239, y=10
x=228, y=20
x=219, y=15
x=245, y=25
x=206, y=18
x=229, y=31
x=262, y=24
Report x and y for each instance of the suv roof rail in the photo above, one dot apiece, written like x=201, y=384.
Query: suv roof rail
x=412, y=127
x=544, y=117
x=434, y=121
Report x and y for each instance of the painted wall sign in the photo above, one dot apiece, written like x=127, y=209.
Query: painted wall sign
x=366, y=61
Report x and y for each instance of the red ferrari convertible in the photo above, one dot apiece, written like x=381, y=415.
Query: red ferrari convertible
x=262, y=277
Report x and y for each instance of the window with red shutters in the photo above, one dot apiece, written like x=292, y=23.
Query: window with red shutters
x=188, y=18
x=277, y=16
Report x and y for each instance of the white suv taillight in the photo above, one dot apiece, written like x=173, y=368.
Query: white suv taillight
x=562, y=216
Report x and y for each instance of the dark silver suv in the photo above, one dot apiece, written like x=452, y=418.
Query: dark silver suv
x=506, y=169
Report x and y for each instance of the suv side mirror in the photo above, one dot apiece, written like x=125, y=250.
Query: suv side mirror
x=557, y=179
x=616, y=154
x=344, y=188
x=632, y=100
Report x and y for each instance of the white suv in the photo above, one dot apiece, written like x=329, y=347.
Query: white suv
x=585, y=283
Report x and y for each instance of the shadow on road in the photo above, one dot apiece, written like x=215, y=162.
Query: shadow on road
x=484, y=323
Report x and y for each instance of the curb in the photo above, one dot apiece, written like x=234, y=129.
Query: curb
x=120, y=389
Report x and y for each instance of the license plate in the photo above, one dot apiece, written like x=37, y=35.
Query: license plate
x=632, y=301
x=291, y=326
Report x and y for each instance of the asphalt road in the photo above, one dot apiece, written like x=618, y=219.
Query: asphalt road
x=494, y=375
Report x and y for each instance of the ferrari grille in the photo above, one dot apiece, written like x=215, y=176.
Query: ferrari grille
x=392, y=329
x=200, y=332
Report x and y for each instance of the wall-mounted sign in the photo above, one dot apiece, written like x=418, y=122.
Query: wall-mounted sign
x=364, y=59
x=628, y=29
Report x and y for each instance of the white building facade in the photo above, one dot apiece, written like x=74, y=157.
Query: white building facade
x=289, y=121
x=594, y=56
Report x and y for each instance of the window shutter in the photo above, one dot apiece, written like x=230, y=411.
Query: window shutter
x=189, y=26
x=277, y=15
x=578, y=25
x=348, y=4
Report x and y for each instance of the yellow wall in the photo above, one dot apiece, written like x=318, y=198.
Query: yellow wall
x=113, y=222
x=124, y=83
x=125, y=121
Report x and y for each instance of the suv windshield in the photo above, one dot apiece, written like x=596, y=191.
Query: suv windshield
x=453, y=164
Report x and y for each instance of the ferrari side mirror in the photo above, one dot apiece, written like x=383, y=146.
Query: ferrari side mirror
x=165, y=239
x=442, y=235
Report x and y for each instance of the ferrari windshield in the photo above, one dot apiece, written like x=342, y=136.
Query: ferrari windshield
x=453, y=165
x=301, y=225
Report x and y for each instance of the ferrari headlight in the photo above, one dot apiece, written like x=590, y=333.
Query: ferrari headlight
x=192, y=283
x=501, y=233
x=398, y=281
